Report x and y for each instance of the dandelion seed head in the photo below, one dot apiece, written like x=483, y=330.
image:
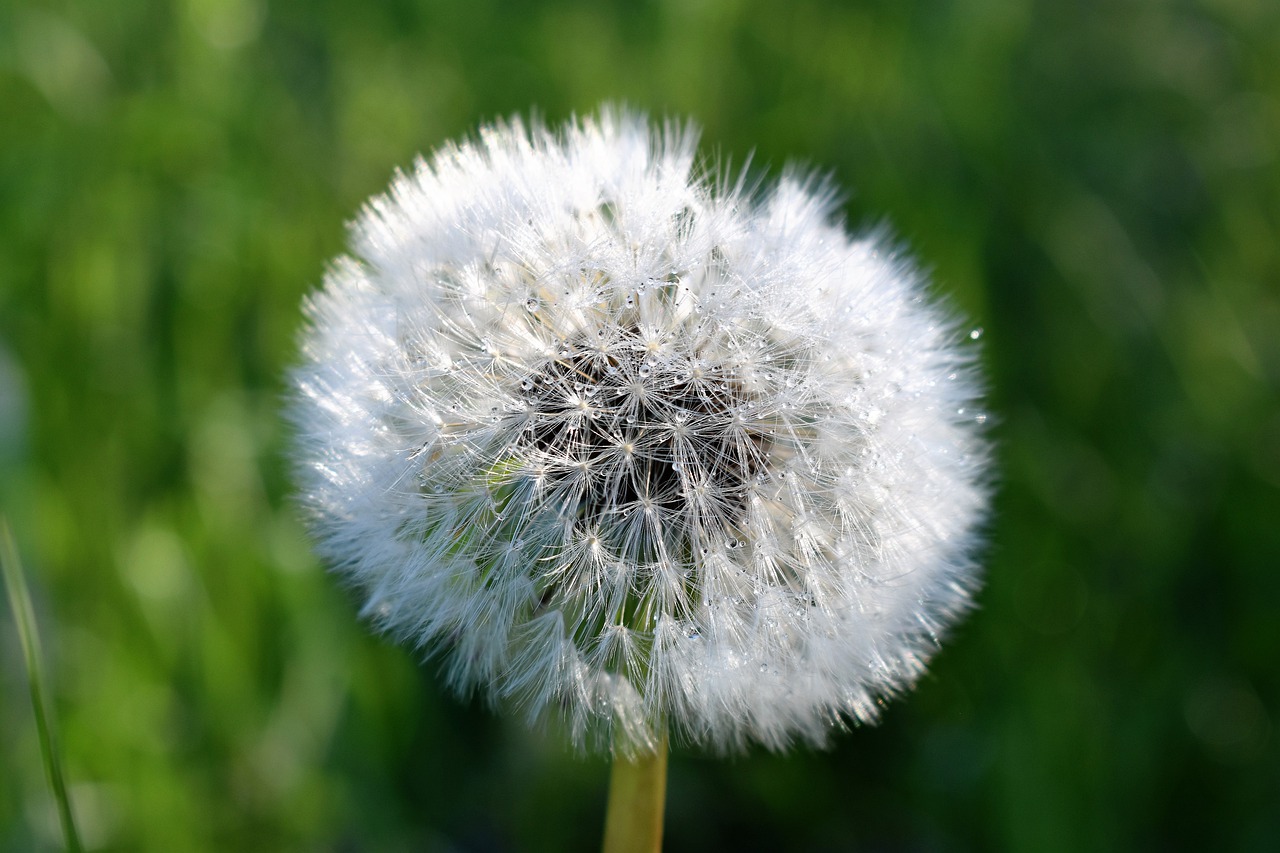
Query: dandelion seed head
x=626, y=444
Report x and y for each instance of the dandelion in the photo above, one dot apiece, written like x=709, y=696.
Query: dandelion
x=631, y=445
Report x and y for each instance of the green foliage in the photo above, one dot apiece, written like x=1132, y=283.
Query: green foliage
x=1096, y=184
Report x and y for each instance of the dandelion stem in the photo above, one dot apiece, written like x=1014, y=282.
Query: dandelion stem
x=637, y=797
x=24, y=617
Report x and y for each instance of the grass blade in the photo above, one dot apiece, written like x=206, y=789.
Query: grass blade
x=24, y=617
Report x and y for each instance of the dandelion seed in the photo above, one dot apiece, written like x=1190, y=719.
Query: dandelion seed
x=737, y=501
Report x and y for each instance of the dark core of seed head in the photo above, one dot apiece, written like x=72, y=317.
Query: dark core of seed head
x=655, y=477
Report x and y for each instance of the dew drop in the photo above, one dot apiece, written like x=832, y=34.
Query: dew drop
x=631, y=301
x=976, y=333
x=531, y=304
x=645, y=369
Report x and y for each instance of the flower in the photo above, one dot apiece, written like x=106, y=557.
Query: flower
x=630, y=444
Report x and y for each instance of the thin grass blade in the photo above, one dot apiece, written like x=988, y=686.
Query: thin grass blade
x=24, y=617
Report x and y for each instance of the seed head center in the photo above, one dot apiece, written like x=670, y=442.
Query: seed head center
x=680, y=433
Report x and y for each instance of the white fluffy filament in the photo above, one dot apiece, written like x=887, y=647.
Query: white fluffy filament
x=624, y=443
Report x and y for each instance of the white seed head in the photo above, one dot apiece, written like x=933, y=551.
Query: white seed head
x=626, y=444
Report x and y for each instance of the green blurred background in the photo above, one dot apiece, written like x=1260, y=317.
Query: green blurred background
x=1095, y=184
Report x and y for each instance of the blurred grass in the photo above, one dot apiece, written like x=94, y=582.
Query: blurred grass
x=1096, y=184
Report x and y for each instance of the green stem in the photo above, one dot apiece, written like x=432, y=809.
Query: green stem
x=637, y=797
x=24, y=616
